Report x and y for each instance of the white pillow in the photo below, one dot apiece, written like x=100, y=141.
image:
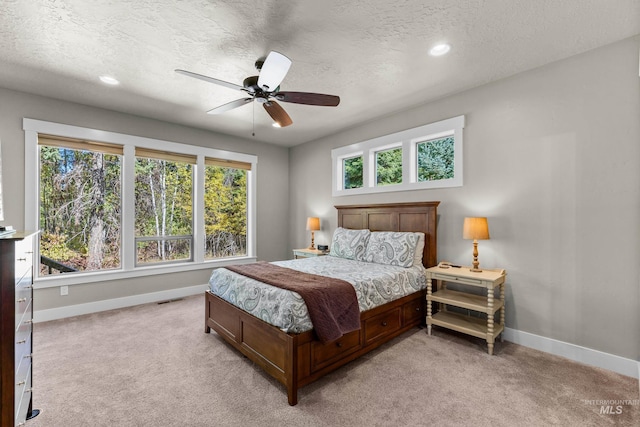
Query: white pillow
x=349, y=244
x=392, y=248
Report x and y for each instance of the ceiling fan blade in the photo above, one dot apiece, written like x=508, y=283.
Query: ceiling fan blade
x=230, y=106
x=273, y=70
x=209, y=79
x=308, y=98
x=277, y=113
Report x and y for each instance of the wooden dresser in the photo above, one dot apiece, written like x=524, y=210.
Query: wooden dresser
x=16, y=315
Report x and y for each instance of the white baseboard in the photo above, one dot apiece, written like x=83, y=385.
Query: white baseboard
x=110, y=304
x=574, y=352
x=588, y=356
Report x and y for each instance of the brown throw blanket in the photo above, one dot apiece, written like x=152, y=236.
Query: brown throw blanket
x=332, y=303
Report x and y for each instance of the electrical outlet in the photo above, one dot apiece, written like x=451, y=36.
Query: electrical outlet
x=64, y=290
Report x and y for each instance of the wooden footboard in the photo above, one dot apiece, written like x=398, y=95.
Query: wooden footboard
x=296, y=360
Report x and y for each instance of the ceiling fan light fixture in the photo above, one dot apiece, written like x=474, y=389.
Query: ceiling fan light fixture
x=276, y=125
x=440, y=49
x=275, y=67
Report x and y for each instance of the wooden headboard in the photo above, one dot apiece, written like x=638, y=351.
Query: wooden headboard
x=417, y=217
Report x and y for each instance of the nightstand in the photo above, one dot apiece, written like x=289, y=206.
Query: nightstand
x=476, y=326
x=308, y=253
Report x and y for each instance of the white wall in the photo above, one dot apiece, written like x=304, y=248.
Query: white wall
x=552, y=158
x=272, y=195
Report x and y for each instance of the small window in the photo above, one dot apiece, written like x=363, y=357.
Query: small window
x=420, y=158
x=436, y=159
x=389, y=167
x=352, y=171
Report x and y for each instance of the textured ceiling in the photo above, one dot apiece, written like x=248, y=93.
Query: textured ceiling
x=372, y=53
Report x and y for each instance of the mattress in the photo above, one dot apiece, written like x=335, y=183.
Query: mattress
x=375, y=285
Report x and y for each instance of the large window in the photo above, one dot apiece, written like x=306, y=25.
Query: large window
x=80, y=205
x=225, y=205
x=428, y=156
x=164, y=206
x=115, y=206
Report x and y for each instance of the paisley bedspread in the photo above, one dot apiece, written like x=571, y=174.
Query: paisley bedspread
x=375, y=284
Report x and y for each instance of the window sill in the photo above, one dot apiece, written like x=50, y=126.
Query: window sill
x=67, y=279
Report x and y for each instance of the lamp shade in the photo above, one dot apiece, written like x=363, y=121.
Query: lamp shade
x=475, y=228
x=313, y=223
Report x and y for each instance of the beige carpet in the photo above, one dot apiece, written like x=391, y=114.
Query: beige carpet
x=153, y=365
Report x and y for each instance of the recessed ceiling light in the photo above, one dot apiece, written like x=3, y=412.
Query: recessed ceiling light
x=440, y=49
x=109, y=80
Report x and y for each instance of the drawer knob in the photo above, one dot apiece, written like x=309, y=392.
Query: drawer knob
x=338, y=344
x=23, y=382
x=384, y=323
x=417, y=308
x=22, y=300
x=22, y=259
x=21, y=342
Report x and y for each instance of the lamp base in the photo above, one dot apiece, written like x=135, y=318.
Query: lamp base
x=476, y=263
x=313, y=246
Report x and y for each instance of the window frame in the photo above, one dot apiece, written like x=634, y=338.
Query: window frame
x=128, y=268
x=408, y=140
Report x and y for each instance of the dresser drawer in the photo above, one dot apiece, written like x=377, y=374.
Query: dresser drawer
x=22, y=381
x=24, y=257
x=324, y=354
x=23, y=339
x=23, y=304
x=413, y=311
x=23, y=311
x=382, y=324
x=22, y=399
x=22, y=357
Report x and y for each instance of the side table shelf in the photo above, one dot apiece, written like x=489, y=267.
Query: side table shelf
x=490, y=280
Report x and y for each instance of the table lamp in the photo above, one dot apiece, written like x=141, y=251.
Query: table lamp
x=313, y=224
x=475, y=228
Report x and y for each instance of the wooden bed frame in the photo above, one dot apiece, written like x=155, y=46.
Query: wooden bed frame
x=296, y=360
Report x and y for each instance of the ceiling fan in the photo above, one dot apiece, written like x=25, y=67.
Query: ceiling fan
x=265, y=89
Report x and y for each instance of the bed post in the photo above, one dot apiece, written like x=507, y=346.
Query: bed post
x=207, y=308
x=292, y=371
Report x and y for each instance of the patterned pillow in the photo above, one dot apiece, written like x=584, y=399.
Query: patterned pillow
x=417, y=257
x=391, y=248
x=349, y=244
